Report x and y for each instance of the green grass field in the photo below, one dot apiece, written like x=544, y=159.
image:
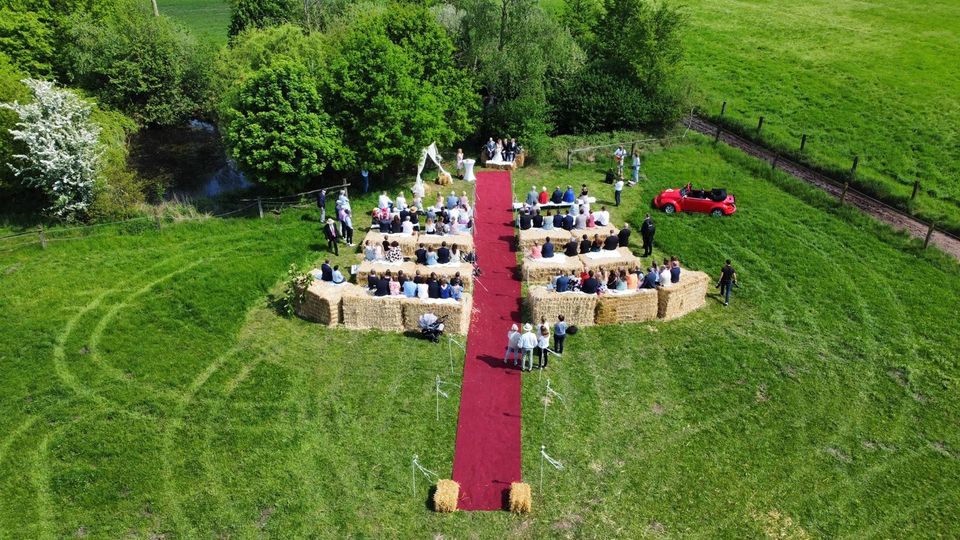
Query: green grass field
x=207, y=18
x=150, y=391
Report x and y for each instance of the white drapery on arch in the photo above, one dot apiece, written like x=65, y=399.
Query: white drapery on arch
x=434, y=155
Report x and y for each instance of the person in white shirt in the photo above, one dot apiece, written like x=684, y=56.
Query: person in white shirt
x=423, y=291
x=383, y=202
x=513, y=344
x=619, y=156
x=636, y=166
x=543, y=345
x=401, y=203
x=528, y=342
x=406, y=227
x=617, y=190
x=337, y=275
x=602, y=217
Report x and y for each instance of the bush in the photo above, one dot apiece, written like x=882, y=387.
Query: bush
x=118, y=191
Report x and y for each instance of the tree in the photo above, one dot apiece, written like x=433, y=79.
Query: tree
x=248, y=14
x=27, y=40
x=61, y=147
x=278, y=132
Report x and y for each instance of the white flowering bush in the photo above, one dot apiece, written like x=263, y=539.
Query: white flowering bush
x=61, y=147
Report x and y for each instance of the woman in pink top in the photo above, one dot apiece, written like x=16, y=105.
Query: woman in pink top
x=536, y=252
x=591, y=221
x=394, y=286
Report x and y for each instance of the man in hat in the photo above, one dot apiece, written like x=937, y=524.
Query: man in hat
x=330, y=231
x=528, y=342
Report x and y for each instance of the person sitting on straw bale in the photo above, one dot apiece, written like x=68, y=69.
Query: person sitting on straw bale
x=558, y=220
x=543, y=197
x=570, y=248
x=430, y=227
x=557, y=196
x=602, y=217
x=535, y=251
x=623, y=237
x=433, y=286
x=394, y=255
x=532, y=196
x=596, y=245
x=613, y=281
x=581, y=221
x=452, y=200
x=423, y=290
x=446, y=292
x=674, y=270
x=456, y=280
x=337, y=276
x=569, y=196
x=528, y=342
x=547, y=250
x=409, y=288
x=420, y=255
x=464, y=201
x=396, y=227
x=525, y=219
x=612, y=241
x=584, y=245
x=650, y=279
x=384, y=202
x=372, y=280
x=442, y=227
x=455, y=255
x=568, y=221
x=443, y=254
x=394, y=286
x=562, y=283
x=537, y=219
x=431, y=258
x=590, y=285
x=591, y=222
x=406, y=227
x=371, y=252
x=601, y=276
x=456, y=291
x=382, y=285
x=547, y=222
x=665, y=273
x=385, y=223
x=401, y=203
x=513, y=344
x=633, y=279
x=326, y=271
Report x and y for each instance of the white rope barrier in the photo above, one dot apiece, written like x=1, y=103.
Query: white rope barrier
x=438, y=387
x=427, y=473
x=553, y=462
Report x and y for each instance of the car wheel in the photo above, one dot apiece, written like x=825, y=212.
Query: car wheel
x=670, y=209
x=717, y=212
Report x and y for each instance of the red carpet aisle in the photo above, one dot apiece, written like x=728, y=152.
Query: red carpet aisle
x=487, y=456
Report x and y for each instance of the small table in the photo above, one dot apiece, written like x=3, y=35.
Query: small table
x=468, y=170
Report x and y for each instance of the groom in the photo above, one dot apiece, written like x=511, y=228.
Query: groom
x=491, y=148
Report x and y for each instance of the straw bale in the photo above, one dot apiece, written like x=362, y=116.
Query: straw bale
x=634, y=306
x=446, y=495
x=322, y=302
x=363, y=310
x=444, y=179
x=457, y=313
x=448, y=271
x=559, y=237
x=408, y=243
x=543, y=270
x=625, y=261
x=464, y=242
x=578, y=308
x=678, y=299
x=368, y=267
x=520, y=498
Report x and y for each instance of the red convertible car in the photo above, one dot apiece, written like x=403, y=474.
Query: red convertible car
x=715, y=202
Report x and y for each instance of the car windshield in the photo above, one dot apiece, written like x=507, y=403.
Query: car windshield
x=684, y=190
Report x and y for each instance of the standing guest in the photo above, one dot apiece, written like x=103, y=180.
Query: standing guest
x=559, y=334
x=433, y=286
x=365, y=180
x=410, y=288
x=618, y=190
x=532, y=196
x=548, y=222
x=547, y=250
x=460, y=163
x=322, y=204
x=647, y=230
x=513, y=344
x=544, y=197
x=346, y=221
x=431, y=259
x=568, y=221
x=421, y=255
x=590, y=285
x=333, y=237
x=728, y=278
x=543, y=345
x=568, y=196
x=636, y=166
x=528, y=342
x=557, y=196
x=584, y=192
x=585, y=245
x=394, y=255
x=536, y=252
x=623, y=237
x=563, y=283
x=443, y=254
x=383, y=285
x=326, y=271
x=570, y=248
x=611, y=242
x=674, y=270
x=618, y=155
x=337, y=275
x=537, y=219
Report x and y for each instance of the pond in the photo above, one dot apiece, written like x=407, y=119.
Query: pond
x=184, y=162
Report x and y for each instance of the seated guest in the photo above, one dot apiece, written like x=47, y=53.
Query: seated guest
x=423, y=290
x=585, y=245
x=326, y=271
x=372, y=280
x=383, y=286
x=591, y=222
x=590, y=285
x=406, y=227
x=544, y=196
x=337, y=275
x=456, y=280
x=570, y=248
x=455, y=255
x=441, y=226
x=385, y=224
x=431, y=257
x=532, y=196
x=383, y=202
x=537, y=219
x=395, y=255
x=602, y=217
x=414, y=218
x=558, y=221
x=611, y=243
x=563, y=283
x=581, y=221
x=464, y=201
x=394, y=287
x=443, y=254
x=568, y=195
x=623, y=237
x=433, y=286
x=547, y=250
x=421, y=255
x=622, y=281
x=596, y=245
x=547, y=222
x=613, y=281
x=385, y=244
x=568, y=221
x=536, y=252
x=445, y=290
x=583, y=191
x=431, y=214
x=371, y=252
x=557, y=196
x=525, y=221
x=452, y=200
x=456, y=291
x=409, y=288
x=674, y=270
x=401, y=278
x=401, y=203
x=650, y=280
x=430, y=228
x=633, y=280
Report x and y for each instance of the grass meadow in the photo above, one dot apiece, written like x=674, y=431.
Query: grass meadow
x=151, y=391
x=209, y=19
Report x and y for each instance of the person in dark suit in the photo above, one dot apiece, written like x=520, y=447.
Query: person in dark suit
x=333, y=237
x=326, y=271
x=590, y=285
x=386, y=245
x=372, y=280
x=585, y=245
x=558, y=221
x=322, y=204
x=623, y=237
x=525, y=220
x=421, y=255
x=647, y=230
x=443, y=254
x=433, y=286
x=557, y=196
x=547, y=250
x=611, y=242
x=568, y=221
x=537, y=219
x=563, y=282
x=383, y=286
x=570, y=248
x=650, y=279
x=385, y=224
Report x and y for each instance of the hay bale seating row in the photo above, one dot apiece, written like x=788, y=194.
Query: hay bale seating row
x=625, y=260
x=446, y=271
x=322, y=302
x=526, y=238
x=457, y=313
x=581, y=309
x=362, y=310
x=410, y=243
x=540, y=271
x=379, y=267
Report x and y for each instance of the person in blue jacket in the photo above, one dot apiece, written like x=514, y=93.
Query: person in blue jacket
x=569, y=196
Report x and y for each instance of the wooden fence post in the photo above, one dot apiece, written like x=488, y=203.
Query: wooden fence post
x=803, y=142
x=926, y=240
x=776, y=158
x=846, y=186
x=723, y=109
x=260, y=207
x=856, y=161
x=760, y=124
x=569, y=159
x=916, y=188
x=43, y=237
x=717, y=136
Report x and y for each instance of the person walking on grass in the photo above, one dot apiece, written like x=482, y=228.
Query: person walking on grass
x=728, y=279
x=513, y=344
x=365, y=178
x=528, y=342
x=636, y=166
x=322, y=204
x=333, y=237
x=617, y=190
x=559, y=334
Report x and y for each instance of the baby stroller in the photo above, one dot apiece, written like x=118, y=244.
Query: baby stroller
x=431, y=326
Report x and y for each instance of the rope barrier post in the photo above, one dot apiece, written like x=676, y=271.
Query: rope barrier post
x=926, y=241
x=413, y=474
x=803, y=142
x=723, y=109
x=760, y=124
x=916, y=188
x=43, y=237
x=856, y=161
x=843, y=195
x=543, y=450
x=260, y=207
x=438, y=397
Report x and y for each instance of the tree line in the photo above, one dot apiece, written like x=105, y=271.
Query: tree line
x=307, y=88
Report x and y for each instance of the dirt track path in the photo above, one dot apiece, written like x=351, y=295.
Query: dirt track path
x=898, y=220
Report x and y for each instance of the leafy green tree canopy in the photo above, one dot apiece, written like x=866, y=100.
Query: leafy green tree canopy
x=246, y=14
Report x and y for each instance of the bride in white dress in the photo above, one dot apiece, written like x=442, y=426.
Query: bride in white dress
x=498, y=154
